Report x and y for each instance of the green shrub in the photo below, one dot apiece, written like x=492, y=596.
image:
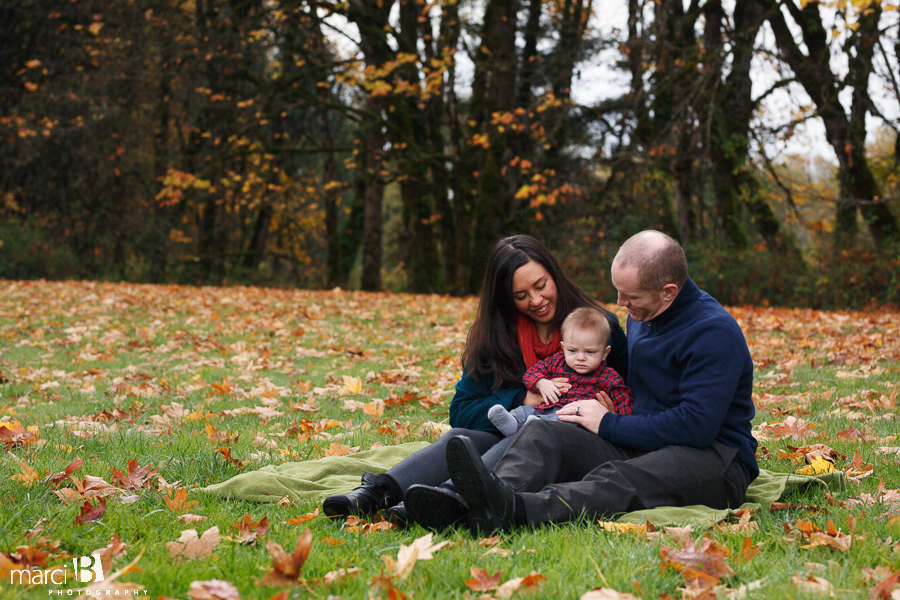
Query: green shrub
x=28, y=253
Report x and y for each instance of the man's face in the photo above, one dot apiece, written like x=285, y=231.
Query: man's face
x=585, y=349
x=642, y=305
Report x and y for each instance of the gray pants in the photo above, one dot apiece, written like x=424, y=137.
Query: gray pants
x=564, y=473
x=523, y=413
x=428, y=466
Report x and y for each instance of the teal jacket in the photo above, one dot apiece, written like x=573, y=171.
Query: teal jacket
x=476, y=395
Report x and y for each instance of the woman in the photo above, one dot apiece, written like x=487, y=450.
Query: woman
x=524, y=299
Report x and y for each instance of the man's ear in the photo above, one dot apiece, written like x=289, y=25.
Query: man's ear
x=669, y=291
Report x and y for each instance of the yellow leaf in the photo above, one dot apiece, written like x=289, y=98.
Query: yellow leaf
x=28, y=476
x=352, y=385
x=95, y=28
x=817, y=466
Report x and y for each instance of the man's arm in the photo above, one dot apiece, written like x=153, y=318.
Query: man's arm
x=712, y=369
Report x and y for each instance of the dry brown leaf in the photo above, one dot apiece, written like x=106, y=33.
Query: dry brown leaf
x=138, y=477
x=420, y=549
x=813, y=584
x=332, y=577
x=249, y=531
x=188, y=518
x=90, y=512
x=190, y=545
x=57, y=478
x=531, y=582
x=481, y=581
x=111, y=586
x=287, y=568
x=213, y=589
x=607, y=594
x=110, y=552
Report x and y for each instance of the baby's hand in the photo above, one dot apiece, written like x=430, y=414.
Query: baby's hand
x=549, y=390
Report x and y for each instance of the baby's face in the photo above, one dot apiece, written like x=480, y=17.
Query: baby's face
x=585, y=350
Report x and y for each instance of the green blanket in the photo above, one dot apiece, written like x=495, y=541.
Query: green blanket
x=312, y=479
x=316, y=479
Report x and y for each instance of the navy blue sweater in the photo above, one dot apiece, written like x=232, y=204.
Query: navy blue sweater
x=692, y=377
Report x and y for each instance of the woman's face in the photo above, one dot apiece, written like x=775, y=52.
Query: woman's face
x=534, y=292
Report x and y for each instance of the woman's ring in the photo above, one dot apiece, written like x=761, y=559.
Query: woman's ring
x=577, y=410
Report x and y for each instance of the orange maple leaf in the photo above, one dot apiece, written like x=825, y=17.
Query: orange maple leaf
x=249, y=530
x=178, y=501
x=481, y=581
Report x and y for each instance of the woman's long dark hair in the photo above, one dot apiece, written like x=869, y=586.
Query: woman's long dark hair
x=492, y=345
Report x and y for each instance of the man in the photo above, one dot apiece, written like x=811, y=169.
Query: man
x=688, y=442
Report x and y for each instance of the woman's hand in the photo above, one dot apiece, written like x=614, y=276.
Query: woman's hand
x=587, y=413
x=533, y=399
x=562, y=384
x=606, y=401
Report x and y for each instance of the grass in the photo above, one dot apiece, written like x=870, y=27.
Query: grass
x=101, y=369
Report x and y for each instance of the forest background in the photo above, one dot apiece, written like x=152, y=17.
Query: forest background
x=388, y=144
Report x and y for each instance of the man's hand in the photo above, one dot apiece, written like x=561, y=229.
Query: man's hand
x=587, y=413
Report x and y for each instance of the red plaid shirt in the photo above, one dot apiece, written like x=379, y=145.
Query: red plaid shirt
x=584, y=387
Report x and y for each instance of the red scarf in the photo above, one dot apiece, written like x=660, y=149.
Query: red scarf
x=533, y=349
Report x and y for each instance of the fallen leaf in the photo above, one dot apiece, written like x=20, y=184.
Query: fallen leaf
x=420, y=549
x=138, y=477
x=332, y=577
x=57, y=478
x=301, y=519
x=110, y=552
x=213, y=589
x=14, y=434
x=111, y=586
x=336, y=449
x=481, y=581
x=287, y=568
x=178, y=501
x=188, y=518
x=352, y=385
x=249, y=531
x=817, y=466
x=813, y=584
x=28, y=476
x=607, y=594
x=190, y=545
x=513, y=585
x=89, y=512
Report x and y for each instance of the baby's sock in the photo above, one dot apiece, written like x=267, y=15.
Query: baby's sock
x=502, y=420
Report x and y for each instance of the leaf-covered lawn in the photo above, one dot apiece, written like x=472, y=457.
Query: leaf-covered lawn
x=119, y=401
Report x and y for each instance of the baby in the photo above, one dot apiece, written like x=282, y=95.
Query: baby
x=585, y=345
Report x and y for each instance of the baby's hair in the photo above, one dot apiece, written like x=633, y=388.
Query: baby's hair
x=587, y=318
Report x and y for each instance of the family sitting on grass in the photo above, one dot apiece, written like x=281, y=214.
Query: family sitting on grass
x=541, y=356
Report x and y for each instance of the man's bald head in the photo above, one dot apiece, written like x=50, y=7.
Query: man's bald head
x=658, y=258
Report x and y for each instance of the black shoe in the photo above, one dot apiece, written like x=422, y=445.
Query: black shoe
x=435, y=508
x=398, y=516
x=376, y=493
x=491, y=501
